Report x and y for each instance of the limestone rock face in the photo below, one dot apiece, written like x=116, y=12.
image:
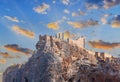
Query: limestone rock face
x=55, y=60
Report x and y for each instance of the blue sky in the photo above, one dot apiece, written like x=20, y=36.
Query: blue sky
x=22, y=21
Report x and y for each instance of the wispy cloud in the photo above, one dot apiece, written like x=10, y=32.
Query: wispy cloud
x=7, y=55
x=2, y=61
x=17, y=48
x=106, y=4
x=116, y=22
x=42, y=9
x=66, y=11
x=24, y=32
x=110, y=3
x=53, y=25
x=13, y=19
x=103, y=45
x=79, y=13
x=104, y=18
x=66, y=2
x=83, y=24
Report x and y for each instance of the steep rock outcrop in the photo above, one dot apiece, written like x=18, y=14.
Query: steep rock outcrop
x=55, y=60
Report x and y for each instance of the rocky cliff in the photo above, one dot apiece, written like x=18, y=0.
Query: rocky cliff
x=55, y=60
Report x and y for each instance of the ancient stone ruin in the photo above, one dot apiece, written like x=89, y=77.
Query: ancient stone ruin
x=63, y=60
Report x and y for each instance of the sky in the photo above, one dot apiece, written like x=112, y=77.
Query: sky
x=22, y=21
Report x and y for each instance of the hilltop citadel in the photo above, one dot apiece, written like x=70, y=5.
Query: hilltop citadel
x=59, y=59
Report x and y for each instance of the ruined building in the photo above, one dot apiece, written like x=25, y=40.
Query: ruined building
x=60, y=60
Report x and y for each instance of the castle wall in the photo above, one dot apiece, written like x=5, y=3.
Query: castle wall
x=57, y=60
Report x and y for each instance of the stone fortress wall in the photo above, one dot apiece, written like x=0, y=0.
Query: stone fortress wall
x=61, y=60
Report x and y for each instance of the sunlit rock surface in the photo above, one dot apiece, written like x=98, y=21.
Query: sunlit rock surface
x=58, y=60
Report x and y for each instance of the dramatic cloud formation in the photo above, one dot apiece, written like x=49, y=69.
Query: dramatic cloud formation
x=17, y=48
x=42, y=9
x=24, y=32
x=13, y=19
x=2, y=61
x=116, y=22
x=103, y=45
x=83, y=24
x=53, y=25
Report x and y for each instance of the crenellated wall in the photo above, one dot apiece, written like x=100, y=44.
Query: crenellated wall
x=58, y=60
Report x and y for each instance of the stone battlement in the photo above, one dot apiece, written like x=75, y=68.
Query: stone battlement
x=63, y=60
x=46, y=40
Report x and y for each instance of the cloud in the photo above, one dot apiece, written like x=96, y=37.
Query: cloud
x=116, y=22
x=104, y=18
x=7, y=55
x=66, y=11
x=103, y=45
x=13, y=19
x=66, y=2
x=42, y=9
x=53, y=25
x=79, y=13
x=67, y=34
x=53, y=1
x=92, y=6
x=83, y=24
x=106, y=4
x=24, y=32
x=2, y=61
x=16, y=48
x=110, y=3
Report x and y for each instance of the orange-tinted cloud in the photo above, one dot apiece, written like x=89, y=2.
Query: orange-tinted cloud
x=42, y=9
x=67, y=34
x=104, y=18
x=104, y=45
x=24, y=32
x=79, y=13
x=6, y=55
x=106, y=4
x=2, y=61
x=83, y=24
x=116, y=22
x=53, y=25
x=16, y=48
